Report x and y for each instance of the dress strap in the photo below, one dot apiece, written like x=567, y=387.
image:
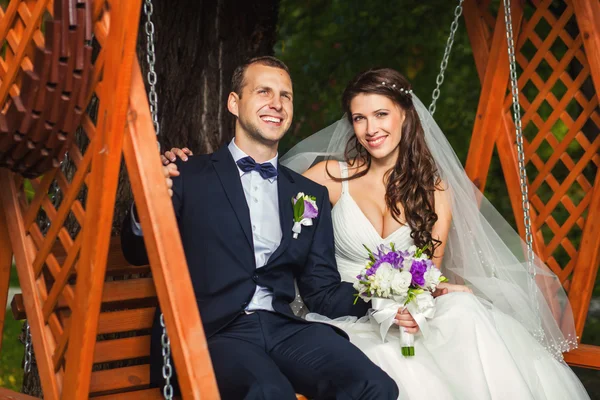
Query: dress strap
x=344, y=175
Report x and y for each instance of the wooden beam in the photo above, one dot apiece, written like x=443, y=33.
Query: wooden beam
x=491, y=102
x=586, y=266
x=585, y=356
x=478, y=32
x=107, y=148
x=6, y=256
x=587, y=14
x=165, y=251
x=42, y=344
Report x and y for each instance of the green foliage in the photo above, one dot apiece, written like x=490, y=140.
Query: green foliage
x=11, y=357
x=14, y=279
x=326, y=43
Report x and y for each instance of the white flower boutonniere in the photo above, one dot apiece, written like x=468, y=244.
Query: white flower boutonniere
x=305, y=209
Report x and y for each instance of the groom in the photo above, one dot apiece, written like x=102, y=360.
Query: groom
x=235, y=214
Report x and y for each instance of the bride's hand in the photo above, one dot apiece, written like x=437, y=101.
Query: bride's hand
x=405, y=320
x=446, y=287
x=171, y=155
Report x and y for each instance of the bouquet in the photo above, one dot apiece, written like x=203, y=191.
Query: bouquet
x=399, y=278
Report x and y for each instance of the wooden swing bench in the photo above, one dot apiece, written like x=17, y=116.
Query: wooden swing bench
x=128, y=307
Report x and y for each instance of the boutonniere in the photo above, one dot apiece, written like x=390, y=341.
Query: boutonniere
x=305, y=209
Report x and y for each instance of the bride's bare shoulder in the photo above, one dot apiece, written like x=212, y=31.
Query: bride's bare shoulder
x=327, y=173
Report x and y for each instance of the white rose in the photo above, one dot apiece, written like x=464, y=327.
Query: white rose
x=432, y=277
x=401, y=282
x=424, y=302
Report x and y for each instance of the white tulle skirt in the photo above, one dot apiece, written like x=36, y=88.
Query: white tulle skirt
x=472, y=352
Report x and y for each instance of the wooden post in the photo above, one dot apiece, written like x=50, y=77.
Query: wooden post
x=107, y=148
x=165, y=251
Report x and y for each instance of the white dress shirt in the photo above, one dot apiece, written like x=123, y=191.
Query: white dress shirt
x=263, y=203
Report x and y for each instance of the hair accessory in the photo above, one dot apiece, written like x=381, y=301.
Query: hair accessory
x=407, y=92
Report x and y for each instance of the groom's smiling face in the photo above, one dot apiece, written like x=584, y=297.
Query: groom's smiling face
x=265, y=106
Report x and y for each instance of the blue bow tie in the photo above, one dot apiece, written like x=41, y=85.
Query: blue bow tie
x=266, y=170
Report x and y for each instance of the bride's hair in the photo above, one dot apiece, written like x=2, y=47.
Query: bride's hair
x=414, y=179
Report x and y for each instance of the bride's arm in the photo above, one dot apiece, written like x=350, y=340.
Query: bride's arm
x=320, y=173
x=440, y=230
x=443, y=209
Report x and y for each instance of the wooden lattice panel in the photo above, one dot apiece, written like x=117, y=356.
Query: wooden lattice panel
x=557, y=46
x=77, y=89
x=561, y=122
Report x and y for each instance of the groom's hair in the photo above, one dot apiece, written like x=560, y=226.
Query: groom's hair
x=237, y=80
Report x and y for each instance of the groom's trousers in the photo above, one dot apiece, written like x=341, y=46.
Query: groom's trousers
x=265, y=355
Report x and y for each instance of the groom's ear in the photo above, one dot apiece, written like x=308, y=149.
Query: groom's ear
x=232, y=103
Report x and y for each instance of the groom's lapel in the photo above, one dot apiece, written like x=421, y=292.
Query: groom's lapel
x=229, y=175
x=286, y=190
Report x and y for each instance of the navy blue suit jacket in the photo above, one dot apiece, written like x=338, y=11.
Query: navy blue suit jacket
x=215, y=228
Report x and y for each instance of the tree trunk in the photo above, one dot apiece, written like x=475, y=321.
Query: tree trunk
x=198, y=44
x=197, y=52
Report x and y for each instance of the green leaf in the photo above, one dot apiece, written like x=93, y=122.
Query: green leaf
x=28, y=188
x=298, y=210
x=371, y=256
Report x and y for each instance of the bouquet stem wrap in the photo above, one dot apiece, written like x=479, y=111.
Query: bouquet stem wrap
x=384, y=313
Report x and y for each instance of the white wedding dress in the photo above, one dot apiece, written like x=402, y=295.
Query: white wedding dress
x=473, y=351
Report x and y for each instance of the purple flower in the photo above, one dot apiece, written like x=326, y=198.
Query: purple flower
x=372, y=270
x=393, y=258
x=417, y=270
x=310, y=211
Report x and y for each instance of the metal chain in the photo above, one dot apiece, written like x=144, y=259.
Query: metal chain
x=28, y=352
x=151, y=58
x=521, y=152
x=440, y=78
x=167, y=370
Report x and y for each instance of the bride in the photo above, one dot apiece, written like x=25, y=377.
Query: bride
x=393, y=177
x=399, y=181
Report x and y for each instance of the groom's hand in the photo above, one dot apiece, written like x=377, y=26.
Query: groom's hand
x=171, y=155
x=170, y=171
x=405, y=320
